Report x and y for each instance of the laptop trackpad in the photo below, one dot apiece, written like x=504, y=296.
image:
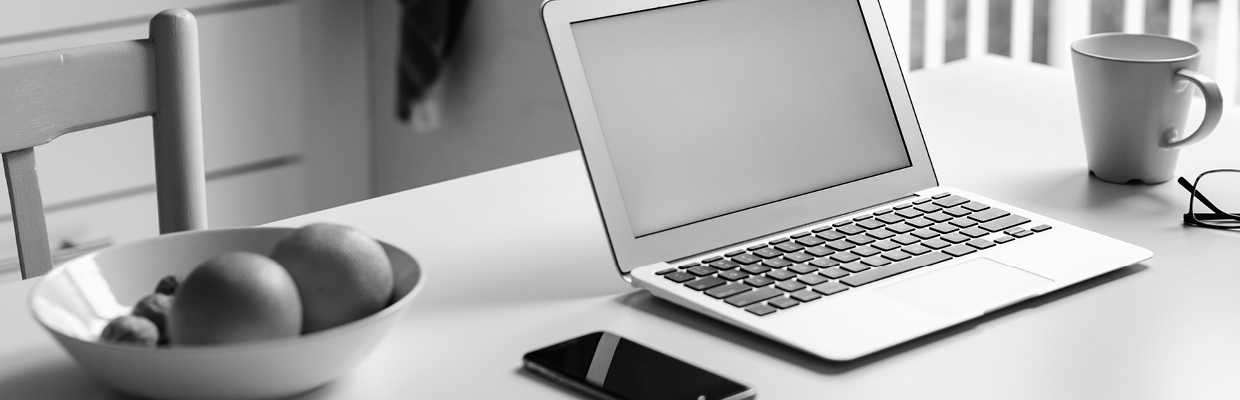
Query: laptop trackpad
x=973, y=287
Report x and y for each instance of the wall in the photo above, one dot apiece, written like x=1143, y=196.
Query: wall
x=500, y=102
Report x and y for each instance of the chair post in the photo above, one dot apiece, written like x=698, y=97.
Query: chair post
x=180, y=185
x=33, y=252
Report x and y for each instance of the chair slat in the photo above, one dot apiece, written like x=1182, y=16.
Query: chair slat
x=58, y=92
x=27, y=204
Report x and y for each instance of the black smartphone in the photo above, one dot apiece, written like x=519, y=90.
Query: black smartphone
x=610, y=367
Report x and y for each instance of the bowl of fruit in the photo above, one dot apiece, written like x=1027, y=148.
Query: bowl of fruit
x=244, y=313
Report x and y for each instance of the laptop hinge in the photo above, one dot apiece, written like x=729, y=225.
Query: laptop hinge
x=802, y=226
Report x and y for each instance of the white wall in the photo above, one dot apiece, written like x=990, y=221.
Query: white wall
x=501, y=101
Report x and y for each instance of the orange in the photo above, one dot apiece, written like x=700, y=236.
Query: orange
x=235, y=297
x=342, y=274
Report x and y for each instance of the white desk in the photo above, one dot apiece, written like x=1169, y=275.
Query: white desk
x=516, y=259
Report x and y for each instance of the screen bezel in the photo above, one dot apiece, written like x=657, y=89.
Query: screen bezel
x=630, y=251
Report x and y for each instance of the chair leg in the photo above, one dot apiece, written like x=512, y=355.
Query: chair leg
x=27, y=206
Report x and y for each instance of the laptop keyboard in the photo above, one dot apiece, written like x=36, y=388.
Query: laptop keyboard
x=806, y=266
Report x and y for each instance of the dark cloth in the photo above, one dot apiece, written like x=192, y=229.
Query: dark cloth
x=429, y=29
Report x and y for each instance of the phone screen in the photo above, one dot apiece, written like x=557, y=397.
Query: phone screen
x=623, y=369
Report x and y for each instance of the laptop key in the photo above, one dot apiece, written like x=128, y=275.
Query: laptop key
x=680, y=277
x=789, y=247
x=776, y=263
x=746, y=259
x=927, y=208
x=767, y=253
x=733, y=275
x=916, y=249
x=1004, y=239
x=798, y=257
x=755, y=268
x=666, y=271
x=944, y=227
x=781, y=274
x=702, y=270
x=1040, y=228
x=889, y=218
x=955, y=237
x=905, y=239
x=959, y=250
x=909, y=212
x=790, y=285
x=975, y=206
x=800, y=235
x=806, y=296
x=962, y=222
x=830, y=235
x=865, y=251
x=925, y=233
x=810, y=241
x=895, y=269
x=819, y=251
x=880, y=234
x=860, y=240
x=897, y=256
x=870, y=224
x=811, y=279
x=735, y=253
x=939, y=217
x=783, y=303
x=840, y=245
x=833, y=273
x=957, y=212
x=974, y=232
x=940, y=195
x=830, y=288
x=705, y=283
x=1004, y=223
x=802, y=268
x=761, y=309
x=981, y=244
x=745, y=299
x=900, y=228
x=854, y=267
x=876, y=261
x=935, y=243
x=919, y=222
x=724, y=265
x=923, y=200
x=850, y=230
x=711, y=260
x=1020, y=233
x=728, y=290
x=988, y=215
x=758, y=281
x=951, y=201
x=824, y=263
x=845, y=257
x=885, y=245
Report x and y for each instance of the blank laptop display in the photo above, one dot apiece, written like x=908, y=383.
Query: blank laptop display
x=701, y=121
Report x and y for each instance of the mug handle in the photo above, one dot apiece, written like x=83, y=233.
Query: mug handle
x=1214, y=110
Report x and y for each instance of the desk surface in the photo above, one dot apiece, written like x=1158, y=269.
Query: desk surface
x=516, y=259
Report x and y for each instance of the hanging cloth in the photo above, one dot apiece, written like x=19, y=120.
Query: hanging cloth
x=429, y=29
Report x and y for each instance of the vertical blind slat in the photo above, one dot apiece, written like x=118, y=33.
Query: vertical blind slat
x=899, y=23
x=1181, y=19
x=1225, y=71
x=1022, y=30
x=936, y=27
x=978, y=18
x=1134, y=16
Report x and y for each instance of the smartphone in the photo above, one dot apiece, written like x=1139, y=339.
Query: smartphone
x=607, y=366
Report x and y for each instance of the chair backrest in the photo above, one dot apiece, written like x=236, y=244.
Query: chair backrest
x=45, y=95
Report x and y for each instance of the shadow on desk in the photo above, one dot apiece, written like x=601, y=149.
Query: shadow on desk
x=646, y=302
x=55, y=380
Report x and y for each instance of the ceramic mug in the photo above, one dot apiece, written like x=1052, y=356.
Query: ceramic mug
x=1134, y=91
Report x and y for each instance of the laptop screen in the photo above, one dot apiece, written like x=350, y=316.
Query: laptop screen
x=713, y=107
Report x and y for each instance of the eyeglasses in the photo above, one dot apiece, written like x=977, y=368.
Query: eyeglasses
x=1219, y=181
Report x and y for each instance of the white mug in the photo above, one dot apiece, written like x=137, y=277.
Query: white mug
x=1134, y=91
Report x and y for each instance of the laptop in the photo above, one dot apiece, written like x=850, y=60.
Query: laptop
x=759, y=161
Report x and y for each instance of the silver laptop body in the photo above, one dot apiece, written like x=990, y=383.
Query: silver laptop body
x=759, y=161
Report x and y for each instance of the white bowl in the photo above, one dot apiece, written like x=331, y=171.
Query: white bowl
x=74, y=301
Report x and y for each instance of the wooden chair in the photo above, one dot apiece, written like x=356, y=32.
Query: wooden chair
x=45, y=95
